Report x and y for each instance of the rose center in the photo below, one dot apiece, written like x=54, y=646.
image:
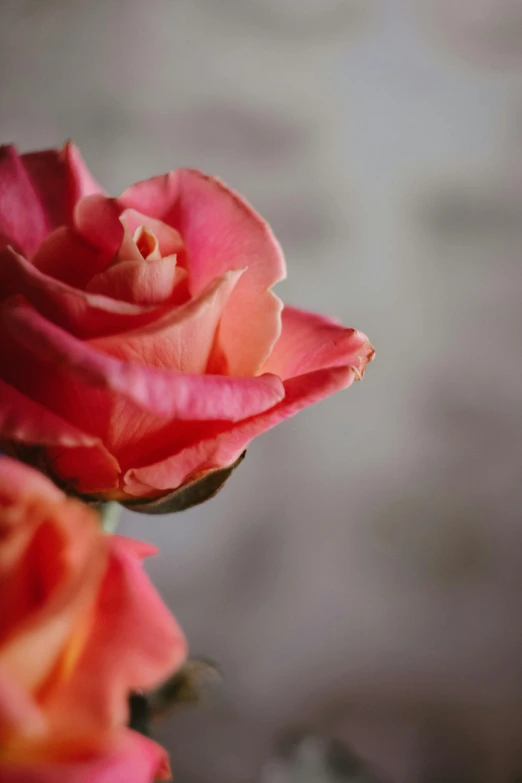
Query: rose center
x=146, y=242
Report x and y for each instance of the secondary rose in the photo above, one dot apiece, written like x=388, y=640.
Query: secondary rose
x=81, y=627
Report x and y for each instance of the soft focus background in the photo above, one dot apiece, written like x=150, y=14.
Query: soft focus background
x=358, y=580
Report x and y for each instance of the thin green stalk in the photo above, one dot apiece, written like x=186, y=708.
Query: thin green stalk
x=109, y=516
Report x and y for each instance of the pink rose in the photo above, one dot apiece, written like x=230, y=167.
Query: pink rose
x=81, y=627
x=142, y=347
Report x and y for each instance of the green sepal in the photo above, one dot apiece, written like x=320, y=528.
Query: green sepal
x=188, y=495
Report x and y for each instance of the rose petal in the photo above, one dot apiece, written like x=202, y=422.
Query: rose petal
x=23, y=221
x=18, y=711
x=96, y=218
x=64, y=563
x=224, y=447
x=164, y=394
x=222, y=232
x=181, y=340
x=87, y=471
x=191, y=201
x=38, y=192
x=324, y=357
x=131, y=758
x=312, y=342
x=61, y=179
x=22, y=419
x=81, y=313
x=141, y=282
x=134, y=644
x=140, y=549
x=15, y=485
x=147, y=244
x=169, y=240
x=66, y=256
x=140, y=414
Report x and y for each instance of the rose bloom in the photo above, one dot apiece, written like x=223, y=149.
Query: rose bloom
x=81, y=627
x=142, y=346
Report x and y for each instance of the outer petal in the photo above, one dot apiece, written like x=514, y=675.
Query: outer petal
x=24, y=420
x=81, y=313
x=181, y=340
x=38, y=192
x=19, y=482
x=137, y=412
x=311, y=342
x=165, y=394
x=23, y=220
x=18, y=711
x=131, y=758
x=133, y=644
x=60, y=178
x=226, y=446
x=56, y=578
x=323, y=356
x=222, y=232
x=70, y=452
x=87, y=471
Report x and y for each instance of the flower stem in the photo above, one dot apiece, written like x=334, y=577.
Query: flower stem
x=109, y=516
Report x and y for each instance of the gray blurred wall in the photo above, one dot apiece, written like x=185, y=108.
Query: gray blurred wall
x=360, y=574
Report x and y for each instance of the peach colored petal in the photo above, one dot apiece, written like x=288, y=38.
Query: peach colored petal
x=249, y=329
x=221, y=232
x=311, y=342
x=133, y=644
x=81, y=628
x=128, y=250
x=183, y=339
x=67, y=558
x=140, y=282
x=30, y=656
x=147, y=244
x=170, y=241
x=18, y=711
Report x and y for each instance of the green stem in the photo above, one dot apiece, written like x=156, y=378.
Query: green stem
x=109, y=516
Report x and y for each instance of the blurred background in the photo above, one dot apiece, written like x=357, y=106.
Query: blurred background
x=358, y=580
